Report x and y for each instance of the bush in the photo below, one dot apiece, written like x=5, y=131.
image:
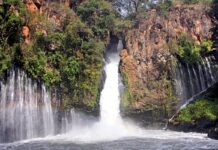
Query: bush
x=206, y=46
x=163, y=8
x=99, y=15
x=11, y=12
x=202, y=108
x=187, y=50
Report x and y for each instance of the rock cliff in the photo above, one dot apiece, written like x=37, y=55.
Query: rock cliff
x=148, y=60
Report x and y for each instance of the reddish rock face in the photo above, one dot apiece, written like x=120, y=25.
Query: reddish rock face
x=147, y=59
x=55, y=14
x=26, y=34
x=129, y=65
x=67, y=3
x=31, y=7
x=34, y=6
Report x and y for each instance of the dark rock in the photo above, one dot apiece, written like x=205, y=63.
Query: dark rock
x=202, y=125
x=213, y=133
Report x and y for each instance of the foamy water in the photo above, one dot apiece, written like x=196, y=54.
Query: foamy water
x=111, y=127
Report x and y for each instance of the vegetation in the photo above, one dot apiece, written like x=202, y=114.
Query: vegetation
x=192, y=2
x=97, y=14
x=163, y=8
x=126, y=96
x=189, y=51
x=205, y=107
x=68, y=55
x=202, y=108
x=10, y=23
x=101, y=18
x=197, y=1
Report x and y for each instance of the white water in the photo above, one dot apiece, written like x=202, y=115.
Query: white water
x=193, y=80
x=25, y=109
x=109, y=102
x=109, y=127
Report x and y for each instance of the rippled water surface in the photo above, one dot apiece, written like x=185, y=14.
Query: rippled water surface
x=123, y=144
x=151, y=140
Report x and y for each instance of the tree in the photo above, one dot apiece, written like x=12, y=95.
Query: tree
x=10, y=21
x=99, y=15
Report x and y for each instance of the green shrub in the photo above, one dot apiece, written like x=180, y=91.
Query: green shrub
x=202, y=108
x=187, y=50
x=34, y=64
x=163, y=8
x=10, y=26
x=51, y=76
x=206, y=46
x=100, y=16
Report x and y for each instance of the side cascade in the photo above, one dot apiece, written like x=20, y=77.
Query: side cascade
x=193, y=80
x=27, y=110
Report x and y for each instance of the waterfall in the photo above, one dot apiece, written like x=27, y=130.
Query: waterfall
x=193, y=80
x=109, y=100
x=25, y=108
x=110, y=126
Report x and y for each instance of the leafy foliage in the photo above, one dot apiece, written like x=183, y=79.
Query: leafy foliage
x=101, y=18
x=205, y=107
x=202, y=108
x=10, y=23
x=188, y=50
x=206, y=46
x=163, y=8
x=70, y=58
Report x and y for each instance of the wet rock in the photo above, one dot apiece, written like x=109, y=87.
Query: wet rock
x=213, y=133
x=202, y=125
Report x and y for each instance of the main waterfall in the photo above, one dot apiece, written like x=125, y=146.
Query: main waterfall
x=109, y=101
x=110, y=126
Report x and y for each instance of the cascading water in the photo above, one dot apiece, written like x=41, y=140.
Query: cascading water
x=26, y=112
x=109, y=101
x=25, y=108
x=192, y=80
x=110, y=126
